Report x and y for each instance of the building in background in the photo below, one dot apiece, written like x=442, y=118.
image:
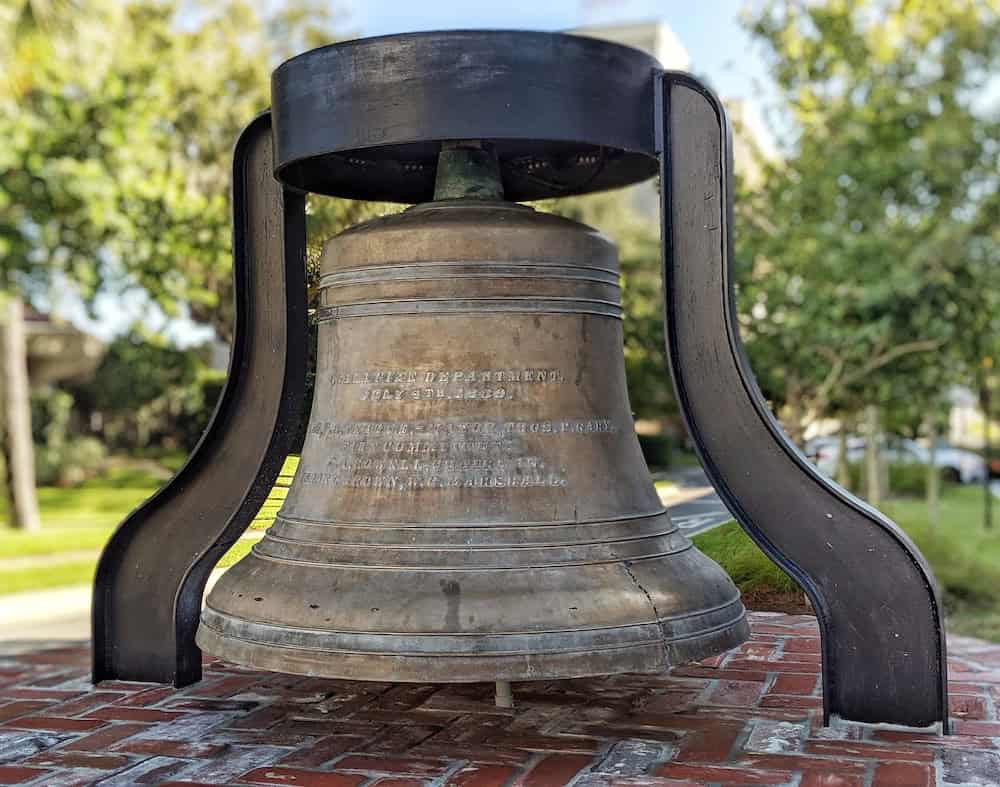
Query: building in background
x=659, y=40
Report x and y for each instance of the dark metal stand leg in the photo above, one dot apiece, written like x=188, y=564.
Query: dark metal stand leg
x=151, y=576
x=878, y=608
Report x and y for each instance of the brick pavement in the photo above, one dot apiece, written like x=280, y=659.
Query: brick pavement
x=750, y=716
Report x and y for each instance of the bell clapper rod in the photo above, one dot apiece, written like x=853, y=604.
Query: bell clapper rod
x=504, y=694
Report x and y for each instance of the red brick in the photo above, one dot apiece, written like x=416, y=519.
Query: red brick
x=408, y=766
x=926, y=738
x=802, y=645
x=753, y=672
x=168, y=748
x=712, y=744
x=87, y=702
x=757, y=650
x=814, y=779
x=187, y=784
x=397, y=781
x=105, y=738
x=322, y=751
x=555, y=770
x=55, y=723
x=870, y=751
x=739, y=693
x=794, y=684
x=58, y=758
x=968, y=706
x=569, y=744
x=262, y=719
x=777, y=665
x=903, y=774
x=12, y=710
x=225, y=687
x=478, y=753
x=716, y=773
x=120, y=713
x=123, y=685
x=989, y=729
x=301, y=778
x=210, y=705
x=147, y=697
x=800, y=762
x=22, y=693
x=16, y=774
x=772, y=628
x=477, y=775
x=791, y=701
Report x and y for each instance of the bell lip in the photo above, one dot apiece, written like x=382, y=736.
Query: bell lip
x=649, y=657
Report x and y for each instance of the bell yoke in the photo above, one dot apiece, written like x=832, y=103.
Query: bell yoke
x=471, y=502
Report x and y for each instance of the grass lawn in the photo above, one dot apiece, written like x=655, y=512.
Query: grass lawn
x=965, y=560
x=82, y=518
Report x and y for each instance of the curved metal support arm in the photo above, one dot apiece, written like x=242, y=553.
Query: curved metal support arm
x=152, y=573
x=879, y=612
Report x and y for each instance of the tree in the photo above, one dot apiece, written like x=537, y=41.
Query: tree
x=115, y=172
x=857, y=248
x=27, y=32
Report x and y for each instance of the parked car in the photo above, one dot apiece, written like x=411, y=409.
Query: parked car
x=823, y=452
x=957, y=464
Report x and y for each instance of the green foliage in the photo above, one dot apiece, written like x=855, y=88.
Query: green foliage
x=749, y=568
x=115, y=171
x=657, y=450
x=150, y=393
x=868, y=252
x=906, y=479
x=61, y=458
x=137, y=368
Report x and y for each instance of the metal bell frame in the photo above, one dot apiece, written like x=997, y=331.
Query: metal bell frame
x=880, y=615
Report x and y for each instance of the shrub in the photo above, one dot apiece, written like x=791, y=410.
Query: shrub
x=61, y=458
x=908, y=479
x=657, y=450
x=69, y=463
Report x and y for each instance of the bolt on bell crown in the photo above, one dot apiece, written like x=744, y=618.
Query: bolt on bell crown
x=471, y=503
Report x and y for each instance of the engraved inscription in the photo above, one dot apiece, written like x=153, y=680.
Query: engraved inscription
x=403, y=456
x=403, y=385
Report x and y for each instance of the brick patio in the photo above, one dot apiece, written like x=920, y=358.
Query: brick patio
x=749, y=717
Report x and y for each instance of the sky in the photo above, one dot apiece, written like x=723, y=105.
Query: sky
x=720, y=51
x=719, y=48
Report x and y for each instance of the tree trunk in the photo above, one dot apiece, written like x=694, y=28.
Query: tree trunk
x=933, y=476
x=18, y=449
x=873, y=474
x=792, y=422
x=984, y=405
x=842, y=473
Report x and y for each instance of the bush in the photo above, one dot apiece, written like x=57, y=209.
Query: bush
x=61, y=459
x=657, y=450
x=69, y=463
x=907, y=479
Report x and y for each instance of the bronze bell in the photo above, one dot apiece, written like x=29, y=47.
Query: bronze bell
x=471, y=503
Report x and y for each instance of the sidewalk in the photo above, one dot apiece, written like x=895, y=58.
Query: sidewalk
x=750, y=716
x=27, y=619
